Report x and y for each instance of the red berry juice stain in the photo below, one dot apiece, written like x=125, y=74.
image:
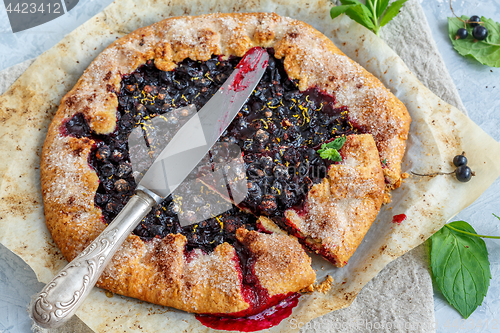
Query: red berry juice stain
x=245, y=66
x=260, y=321
x=398, y=218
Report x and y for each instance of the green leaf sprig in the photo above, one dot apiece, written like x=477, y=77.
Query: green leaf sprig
x=331, y=149
x=372, y=15
x=485, y=51
x=460, y=265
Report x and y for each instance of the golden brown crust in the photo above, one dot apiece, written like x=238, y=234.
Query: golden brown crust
x=69, y=184
x=340, y=210
x=159, y=270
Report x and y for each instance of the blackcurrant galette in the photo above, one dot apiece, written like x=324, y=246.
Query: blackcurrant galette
x=234, y=263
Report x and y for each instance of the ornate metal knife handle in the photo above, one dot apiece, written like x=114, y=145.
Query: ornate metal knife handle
x=62, y=296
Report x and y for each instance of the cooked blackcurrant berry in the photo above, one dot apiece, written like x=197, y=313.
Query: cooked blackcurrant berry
x=124, y=169
x=459, y=160
x=253, y=190
x=288, y=198
x=276, y=188
x=247, y=144
x=107, y=184
x=280, y=171
x=261, y=136
x=114, y=206
x=292, y=156
x=268, y=205
x=103, y=153
x=480, y=32
x=473, y=20
x=463, y=173
x=156, y=229
x=141, y=110
x=141, y=231
x=116, y=156
x=107, y=169
x=100, y=199
x=121, y=185
x=231, y=224
x=462, y=33
x=303, y=168
x=266, y=162
x=255, y=172
x=173, y=209
x=127, y=122
x=77, y=126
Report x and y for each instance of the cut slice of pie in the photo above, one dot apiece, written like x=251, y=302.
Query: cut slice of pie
x=339, y=211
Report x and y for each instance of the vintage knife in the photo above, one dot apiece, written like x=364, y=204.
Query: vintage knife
x=60, y=298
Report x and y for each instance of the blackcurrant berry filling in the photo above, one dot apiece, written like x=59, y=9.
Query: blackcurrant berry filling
x=76, y=126
x=278, y=131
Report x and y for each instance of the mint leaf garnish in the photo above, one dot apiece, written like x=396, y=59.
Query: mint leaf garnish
x=391, y=12
x=335, y=144
x=330, y=150
x=374, y=15
x=361, y=14
x=382, y=5
x=459, y=263
x=331, y=154
x=337, y=10
x=485, y=51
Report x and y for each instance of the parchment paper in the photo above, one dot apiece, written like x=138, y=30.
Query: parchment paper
x=438, y=132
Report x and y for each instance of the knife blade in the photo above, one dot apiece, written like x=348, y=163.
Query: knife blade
x=199, y=134
x=62, y=296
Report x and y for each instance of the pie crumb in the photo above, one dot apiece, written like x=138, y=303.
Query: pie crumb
x=321, y=287
x=386, y=199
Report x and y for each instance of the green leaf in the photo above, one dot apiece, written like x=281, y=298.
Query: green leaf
x=485, y=51
x=330, y=150
x=360, y=14
x=368, y=15
x=460, y=267
x=337, y=10
x=473, y=234
x=331, y=154
x=392, y=11
x=370, y=3
x=350, y=2
x=335, y=144
x=381, y=7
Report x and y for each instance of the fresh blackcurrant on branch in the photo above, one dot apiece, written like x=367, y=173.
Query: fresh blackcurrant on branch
x=474, y=21
x=462, y=172
x=479, y=32
x=462, y=33
x=460, y=160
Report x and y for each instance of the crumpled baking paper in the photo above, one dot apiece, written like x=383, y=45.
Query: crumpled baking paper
x=438, y=132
